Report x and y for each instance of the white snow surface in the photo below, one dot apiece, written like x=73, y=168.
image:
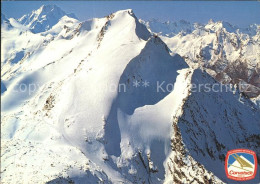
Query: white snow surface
x=70, y=111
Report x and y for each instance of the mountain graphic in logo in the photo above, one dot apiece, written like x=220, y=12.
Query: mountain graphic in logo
x=241, y=164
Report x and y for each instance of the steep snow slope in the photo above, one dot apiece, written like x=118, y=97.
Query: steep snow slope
x=230, y=54
x=5, y=23
x=44, y=18
x=226, y=121
x=84, y=106
x=92, y=121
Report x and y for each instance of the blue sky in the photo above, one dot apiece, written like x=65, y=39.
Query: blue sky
x=237, y=13
x=249, y=157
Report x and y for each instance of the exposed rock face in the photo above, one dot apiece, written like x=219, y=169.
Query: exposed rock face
x=183, y=168
x=224, y=120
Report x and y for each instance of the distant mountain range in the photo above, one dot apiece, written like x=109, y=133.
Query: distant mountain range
x=44, y=18
x=230, y=54
x=170, y=28
x=112, y=100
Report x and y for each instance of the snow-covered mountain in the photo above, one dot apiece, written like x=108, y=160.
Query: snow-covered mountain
x=4, y=19
x=231, y=54
x=169, y=28
x=107, y=101
x=44, y=18
x=5, y=22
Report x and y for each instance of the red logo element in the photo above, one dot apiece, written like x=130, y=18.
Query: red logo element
x=241, y=164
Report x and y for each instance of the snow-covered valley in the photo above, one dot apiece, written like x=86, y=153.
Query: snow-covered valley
x=110, y=100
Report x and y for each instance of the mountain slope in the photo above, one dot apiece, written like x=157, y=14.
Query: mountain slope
x=79, y=127
x=226, y=121
x=104, y=100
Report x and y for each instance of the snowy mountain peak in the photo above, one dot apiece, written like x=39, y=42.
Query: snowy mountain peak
x=123, y=22
x=128, y=16
x=5, y=22
x=3, y=18
x=125, y=11
x=251, y=30
x=211, y=21
x=48, y=8
x=168, y=28
x=44, y=18
x=216, y=26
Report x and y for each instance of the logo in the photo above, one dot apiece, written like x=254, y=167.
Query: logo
x=241, y=164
